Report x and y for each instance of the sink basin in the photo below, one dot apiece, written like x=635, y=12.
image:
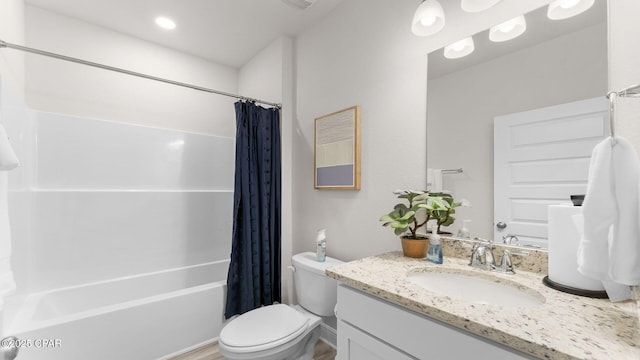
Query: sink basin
x=475, y=287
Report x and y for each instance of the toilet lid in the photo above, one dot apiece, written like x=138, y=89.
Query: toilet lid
x=273, y=324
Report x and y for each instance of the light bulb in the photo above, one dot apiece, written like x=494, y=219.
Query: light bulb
x=459, y=49
x=428, y=21
x=508, y=27
x=508, y=30
x=457, y=46
x=568, y=4
x=563, y=9
x=428, y=18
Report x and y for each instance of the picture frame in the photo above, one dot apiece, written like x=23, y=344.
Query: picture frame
x=337, y=150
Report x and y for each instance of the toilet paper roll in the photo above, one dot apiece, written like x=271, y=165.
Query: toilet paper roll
x=564, y=238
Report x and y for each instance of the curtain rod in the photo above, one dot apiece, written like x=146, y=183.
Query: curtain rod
x=4, y=44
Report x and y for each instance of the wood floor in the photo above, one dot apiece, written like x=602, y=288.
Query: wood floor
x=210, y=352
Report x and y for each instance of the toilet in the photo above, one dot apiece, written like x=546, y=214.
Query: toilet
x=285, y=332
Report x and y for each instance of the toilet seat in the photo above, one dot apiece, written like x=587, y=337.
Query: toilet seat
x=263, y=328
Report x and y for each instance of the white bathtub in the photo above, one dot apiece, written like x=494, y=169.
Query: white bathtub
x=141, y=317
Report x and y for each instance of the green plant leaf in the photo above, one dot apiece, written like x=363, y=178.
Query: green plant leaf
x=449, y=221
x=398, y=232
x=409, y=215
x=401, y=208
x=399, y=225
x=421, y=197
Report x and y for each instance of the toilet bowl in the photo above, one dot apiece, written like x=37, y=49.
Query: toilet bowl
x=272, y=332
x=285, y=332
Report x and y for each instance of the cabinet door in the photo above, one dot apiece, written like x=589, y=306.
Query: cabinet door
x=354, y=344
x=415, y=334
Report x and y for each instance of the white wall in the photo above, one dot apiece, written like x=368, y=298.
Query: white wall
x=269, y=76
x=624, y=64
x=63, y=87
x=363, y=53
x=12, y=31
x=367, y=58
x=462, y=106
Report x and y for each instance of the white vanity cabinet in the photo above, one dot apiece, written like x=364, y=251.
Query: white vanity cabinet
x=370, y=328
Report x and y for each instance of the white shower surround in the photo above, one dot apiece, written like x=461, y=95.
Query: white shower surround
x=99, y=204
x=104, y=200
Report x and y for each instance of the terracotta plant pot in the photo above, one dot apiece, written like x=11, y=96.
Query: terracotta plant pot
x=414, y=248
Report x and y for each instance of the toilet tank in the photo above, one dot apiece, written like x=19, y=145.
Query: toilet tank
x=316, y=292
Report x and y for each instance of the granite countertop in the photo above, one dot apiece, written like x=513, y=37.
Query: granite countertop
x=564, y=327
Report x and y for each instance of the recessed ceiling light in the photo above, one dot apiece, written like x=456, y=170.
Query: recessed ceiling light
x=165, y=23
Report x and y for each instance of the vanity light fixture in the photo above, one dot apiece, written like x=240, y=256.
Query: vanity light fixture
x=477, y=5
x=165, y=23
x=508, y=30
x=428, y=19
x=459, y=49
x=563, y=9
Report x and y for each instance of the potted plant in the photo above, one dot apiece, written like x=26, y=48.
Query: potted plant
x=406, y=219
x=441, y=207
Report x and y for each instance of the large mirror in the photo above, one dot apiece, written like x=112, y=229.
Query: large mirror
x=555, y=72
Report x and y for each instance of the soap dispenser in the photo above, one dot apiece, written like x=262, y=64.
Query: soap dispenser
x=464, y=231
x=321, y=245
x=434, y=252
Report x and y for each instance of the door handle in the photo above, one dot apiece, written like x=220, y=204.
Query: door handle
x=501, y=225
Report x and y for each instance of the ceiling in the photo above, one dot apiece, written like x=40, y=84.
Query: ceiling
x=228, y=32
x=231, y=32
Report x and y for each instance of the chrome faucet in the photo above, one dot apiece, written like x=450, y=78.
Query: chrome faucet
x=482, y=257
x=506, y=266
x=510, y=240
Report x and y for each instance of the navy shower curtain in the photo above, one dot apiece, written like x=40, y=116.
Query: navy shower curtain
x=254, y=273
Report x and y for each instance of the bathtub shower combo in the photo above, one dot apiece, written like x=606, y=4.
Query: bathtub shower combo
x=146, y=316
x=121, y=238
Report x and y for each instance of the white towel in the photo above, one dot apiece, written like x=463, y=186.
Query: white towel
x=434, y=180
x=610, y=247
x=8, y=159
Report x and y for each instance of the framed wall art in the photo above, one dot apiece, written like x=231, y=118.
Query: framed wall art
x=337, y=150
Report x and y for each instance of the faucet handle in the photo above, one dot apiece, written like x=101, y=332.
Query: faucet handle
x=510, y=239
x=482, y=255
x=506, y=266
x=490, y=242
x=477, y=255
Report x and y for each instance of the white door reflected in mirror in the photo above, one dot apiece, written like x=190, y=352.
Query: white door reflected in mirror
x=541, y=157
